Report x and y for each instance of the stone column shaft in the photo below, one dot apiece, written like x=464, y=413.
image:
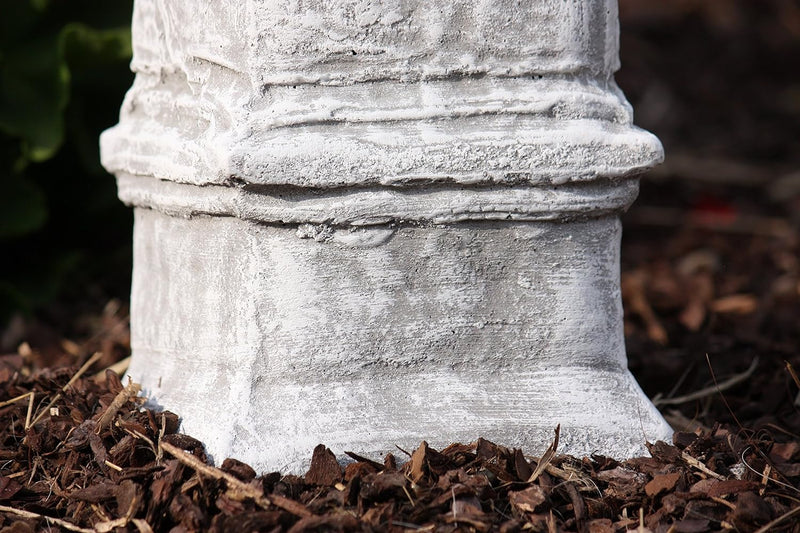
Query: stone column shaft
x=367, y=224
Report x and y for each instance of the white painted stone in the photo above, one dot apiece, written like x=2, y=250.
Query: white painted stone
x=368, y=223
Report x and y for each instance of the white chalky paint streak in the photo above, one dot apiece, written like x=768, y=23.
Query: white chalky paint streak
x=435, y=333
x=367, y=224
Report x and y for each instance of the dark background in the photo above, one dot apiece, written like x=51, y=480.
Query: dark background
x=711, y=251
x=64, y=237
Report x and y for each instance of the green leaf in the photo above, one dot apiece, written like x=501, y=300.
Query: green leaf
x=35, y=72
x=34, y=90
x=40, y=5
x=85, y=47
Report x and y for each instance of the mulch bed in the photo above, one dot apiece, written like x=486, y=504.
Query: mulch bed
x=712, y=294
x=80, y=454
x=711, y=285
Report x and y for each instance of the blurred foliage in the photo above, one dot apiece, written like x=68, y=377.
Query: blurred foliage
x=63, y=74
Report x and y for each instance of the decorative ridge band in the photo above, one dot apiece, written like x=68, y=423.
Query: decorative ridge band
x=381, y=205
x=468, y=131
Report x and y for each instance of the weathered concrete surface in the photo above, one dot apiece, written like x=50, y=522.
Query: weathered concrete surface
x=368, y=225
x=329, y=94
x=270, y=340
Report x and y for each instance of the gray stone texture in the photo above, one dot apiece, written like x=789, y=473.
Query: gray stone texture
x=367, y=224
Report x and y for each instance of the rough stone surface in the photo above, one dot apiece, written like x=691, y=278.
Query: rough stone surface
x=367, y=225
x=355, y=93
x=366, y=338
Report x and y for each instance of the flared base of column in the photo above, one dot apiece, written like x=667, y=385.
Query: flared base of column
x=600, y=411
x=269, y=340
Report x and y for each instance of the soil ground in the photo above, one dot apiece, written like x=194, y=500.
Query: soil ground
x=711, y=285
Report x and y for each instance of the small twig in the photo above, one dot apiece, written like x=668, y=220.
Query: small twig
x=92, y=360
x=101, y=513
x=236, y=489
x=546, y=458
x=49, y=519
x=128, y=393
x=679, y=422
x=16, y=399
x=765, y=473
x=82, y=370
x=30, y=411
x=709, y=391
x=765, y=477
x=161, y=431
x=781, y=518
x=138, y=435
x=723, y=501
x=402, y=450
x=362, y=459
x=792, y=373
x=796, y=380
x=112, y=465
x=779, y=429
x=408, y=495
x=691, y=461
x=142, y=525
x=36, y=461
x=551, y=523
x=118, y=368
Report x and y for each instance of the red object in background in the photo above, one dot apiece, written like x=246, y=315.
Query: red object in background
x=710, y=210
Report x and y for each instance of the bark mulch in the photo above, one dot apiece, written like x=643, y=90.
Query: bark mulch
x=711, y=285
x=712, y=307
x=80, y=454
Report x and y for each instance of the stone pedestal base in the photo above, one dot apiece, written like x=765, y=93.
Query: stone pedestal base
x=271, y=339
